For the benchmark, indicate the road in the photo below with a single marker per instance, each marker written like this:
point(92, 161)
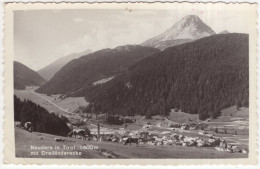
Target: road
point(33, 92)
point(52, 103)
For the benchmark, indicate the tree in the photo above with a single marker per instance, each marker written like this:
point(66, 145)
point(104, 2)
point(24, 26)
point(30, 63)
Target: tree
point(238, 104)
point(114, 119)
point(225, 131)
point(41, 119)
point(87, 131)
point(201, 127)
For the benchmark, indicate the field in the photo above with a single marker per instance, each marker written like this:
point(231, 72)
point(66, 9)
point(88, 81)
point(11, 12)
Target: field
point(103, 80)
point(111, 149)
point(181, 117)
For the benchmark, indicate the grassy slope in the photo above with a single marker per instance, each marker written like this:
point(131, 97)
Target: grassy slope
point(232, 113)
point(69, 104)
point(116, 150)
point(182, 117)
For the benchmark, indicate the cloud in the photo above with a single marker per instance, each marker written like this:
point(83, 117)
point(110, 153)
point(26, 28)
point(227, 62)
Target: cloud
point(114, 33)
point(95, 39)
point(78, 20)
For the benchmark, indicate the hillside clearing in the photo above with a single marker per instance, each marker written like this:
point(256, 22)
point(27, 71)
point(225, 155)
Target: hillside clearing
point(60, 106)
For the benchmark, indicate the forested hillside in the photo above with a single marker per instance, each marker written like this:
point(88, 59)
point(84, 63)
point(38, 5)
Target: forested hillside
point(83, 72)
point(200, 77)
point(24, 76)
point(42, 120)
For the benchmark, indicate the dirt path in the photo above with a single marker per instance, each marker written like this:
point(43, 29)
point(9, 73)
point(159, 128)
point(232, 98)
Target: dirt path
point(54, 104)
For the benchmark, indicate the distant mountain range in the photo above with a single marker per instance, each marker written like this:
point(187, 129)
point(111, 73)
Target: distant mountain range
point(187, 29)
point(24, 76)
point(200, 77)
point(224, 32)
point(83, 72)
point(49, 71)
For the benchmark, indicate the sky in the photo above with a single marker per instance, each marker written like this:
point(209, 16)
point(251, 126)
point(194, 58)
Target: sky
point(43, 36)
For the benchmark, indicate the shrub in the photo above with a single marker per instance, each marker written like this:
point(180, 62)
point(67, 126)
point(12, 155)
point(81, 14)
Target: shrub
point(113, 119)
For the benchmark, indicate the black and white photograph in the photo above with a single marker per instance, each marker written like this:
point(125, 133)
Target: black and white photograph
point(133, 83)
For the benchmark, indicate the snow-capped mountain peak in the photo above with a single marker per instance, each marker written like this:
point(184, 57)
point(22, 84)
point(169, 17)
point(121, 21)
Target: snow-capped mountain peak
point(190, 27)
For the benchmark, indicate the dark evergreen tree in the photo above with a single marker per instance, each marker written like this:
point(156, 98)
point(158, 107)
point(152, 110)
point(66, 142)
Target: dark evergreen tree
point(42, 120)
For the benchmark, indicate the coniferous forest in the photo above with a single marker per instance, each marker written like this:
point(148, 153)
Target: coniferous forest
point(42, 120)
point(200, 77)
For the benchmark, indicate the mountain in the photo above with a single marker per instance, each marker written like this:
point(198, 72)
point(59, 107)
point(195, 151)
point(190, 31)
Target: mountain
point(200, 77)
point(187, 29)
point(24, 76)
point(223, 32)
point(49, 71)
point(83, 72)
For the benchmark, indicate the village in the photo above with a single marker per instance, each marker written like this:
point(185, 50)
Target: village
point(161, 131)
point(183, 135)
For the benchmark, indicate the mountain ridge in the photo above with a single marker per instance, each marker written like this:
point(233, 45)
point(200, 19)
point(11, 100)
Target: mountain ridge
point(84, 71)
point(224, 32)
point(48, 71)
point(24, 76)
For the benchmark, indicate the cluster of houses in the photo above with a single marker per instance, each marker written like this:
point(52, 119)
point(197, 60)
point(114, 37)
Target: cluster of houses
point(167, 138)
point(156, 138)
point(175, 139)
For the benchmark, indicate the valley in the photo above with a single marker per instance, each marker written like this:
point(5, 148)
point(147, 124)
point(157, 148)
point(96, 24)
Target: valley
point(181, 94)
point(55, 103)
point(158, 125)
